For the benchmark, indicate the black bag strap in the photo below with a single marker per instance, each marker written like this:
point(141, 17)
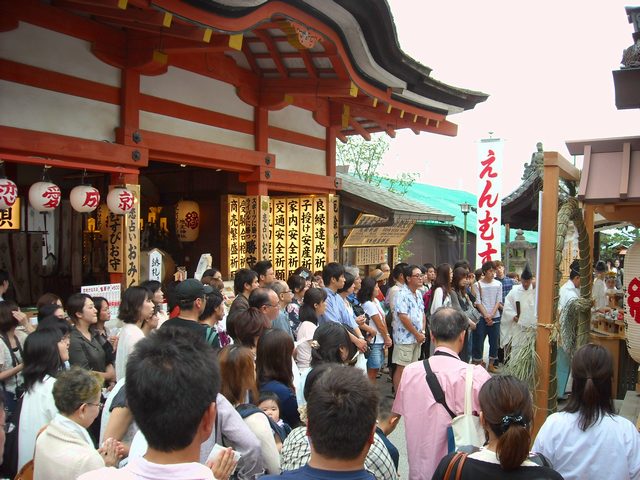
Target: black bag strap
point(14, 359)
point(434, 385)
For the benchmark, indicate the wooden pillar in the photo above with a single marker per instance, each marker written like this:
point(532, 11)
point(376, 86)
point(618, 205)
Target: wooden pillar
point(261, 129)
point(330, 150)
point(589, 225)
point(257, 188)
point(546, 275)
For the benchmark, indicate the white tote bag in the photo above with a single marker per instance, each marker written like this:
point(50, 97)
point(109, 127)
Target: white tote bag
point(466, 427)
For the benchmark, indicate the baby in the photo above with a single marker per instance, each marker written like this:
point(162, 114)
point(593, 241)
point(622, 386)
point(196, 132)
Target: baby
point(270, 405)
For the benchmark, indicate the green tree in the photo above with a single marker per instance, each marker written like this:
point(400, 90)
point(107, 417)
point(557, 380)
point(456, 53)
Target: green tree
point(615, 237)
point(365, 158)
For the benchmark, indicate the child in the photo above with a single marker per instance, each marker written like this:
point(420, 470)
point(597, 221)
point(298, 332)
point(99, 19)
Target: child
point(387, 423)
point(270, 405)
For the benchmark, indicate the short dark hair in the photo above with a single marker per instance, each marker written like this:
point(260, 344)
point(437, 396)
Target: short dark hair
point(246, 326)
point(172, 379)
point(152, 285)
point(132, 300)
point(268, 396)
point(398, 270)
point(4, 276)
point(52, 322)
point(574, 273)
point(428, 266)
point(463, 264)
point(75, 304)
point(262, 267)
point(447, 324)
point(47, 298)
point(259, 297)
point(342, 409)
point(296, 283)
point(41, 356)
point(408, 271)
point(212, 301)
point(331, 270)
point(348, 282)
point(242, 277)
point(486, 266)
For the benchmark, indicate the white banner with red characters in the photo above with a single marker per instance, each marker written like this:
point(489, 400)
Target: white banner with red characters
point(489, 176)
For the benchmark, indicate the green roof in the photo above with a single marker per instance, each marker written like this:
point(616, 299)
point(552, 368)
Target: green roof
point(448, 201)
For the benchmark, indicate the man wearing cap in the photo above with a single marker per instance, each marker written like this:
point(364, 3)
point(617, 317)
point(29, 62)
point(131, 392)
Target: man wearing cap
point(190, 295)
point(519, 315)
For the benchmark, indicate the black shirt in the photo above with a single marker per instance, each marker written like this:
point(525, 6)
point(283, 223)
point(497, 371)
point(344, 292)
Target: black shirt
point(210, 335)
point(478, 470)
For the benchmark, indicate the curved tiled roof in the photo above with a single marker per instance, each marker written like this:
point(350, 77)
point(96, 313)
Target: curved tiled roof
point(367, 28)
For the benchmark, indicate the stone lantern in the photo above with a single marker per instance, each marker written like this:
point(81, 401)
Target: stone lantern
point(517, 251)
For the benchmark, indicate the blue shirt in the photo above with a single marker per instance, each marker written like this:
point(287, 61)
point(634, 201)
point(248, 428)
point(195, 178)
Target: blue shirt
point(336, 311)
point(410, 304)
point(507, 285)
point(282, 322)
point(288, 403)
point(310, 473)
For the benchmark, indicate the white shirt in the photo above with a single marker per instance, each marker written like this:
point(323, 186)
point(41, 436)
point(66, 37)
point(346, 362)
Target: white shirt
point(38, 409)
point(608, 449)
point(129, 336)
point(439, 300)
point(372, 308)
point(599, 294)
point(141, 469)
point(511, 331)
point(568, 292)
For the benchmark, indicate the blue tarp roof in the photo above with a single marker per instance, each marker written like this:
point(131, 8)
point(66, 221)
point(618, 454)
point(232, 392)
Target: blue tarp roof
point(448, 201)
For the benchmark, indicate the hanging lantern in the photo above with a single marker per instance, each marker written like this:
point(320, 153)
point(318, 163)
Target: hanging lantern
point(632, 300)
point(44, 196)
point(187, 220)
point(84, 198)
point(120, 200)
point(8, 193)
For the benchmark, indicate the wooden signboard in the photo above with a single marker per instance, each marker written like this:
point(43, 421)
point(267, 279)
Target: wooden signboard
point(373, 236)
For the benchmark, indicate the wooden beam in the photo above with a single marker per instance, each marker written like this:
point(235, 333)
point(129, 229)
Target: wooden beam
point(130, 101)
point(624, 172)
point(251, 59)
point(359, 129)
point(308, 63)
point(390, 131)
point(273, 51)
point(74, 165)
point(43, 144)
point(307, 86)
point(545, 287)
point(261, 129)
point(289, 180)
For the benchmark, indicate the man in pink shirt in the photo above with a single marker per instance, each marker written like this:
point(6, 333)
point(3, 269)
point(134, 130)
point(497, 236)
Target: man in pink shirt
point(425, 420)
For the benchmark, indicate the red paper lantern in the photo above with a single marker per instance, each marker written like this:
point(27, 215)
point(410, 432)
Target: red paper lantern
point(8, 193)
point(120, 200)
point(84, 198)
point(187, 220)
point(44, 196)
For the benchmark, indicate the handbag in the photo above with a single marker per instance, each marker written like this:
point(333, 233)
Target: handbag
point(465, 429)
point(456, 462)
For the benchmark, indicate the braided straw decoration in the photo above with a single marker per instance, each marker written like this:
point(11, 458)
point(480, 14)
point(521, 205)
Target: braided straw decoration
point(570, 211)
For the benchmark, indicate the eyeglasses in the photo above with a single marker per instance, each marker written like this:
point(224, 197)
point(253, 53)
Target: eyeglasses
point(99, 404)
point(269, 305)
point(416, 275)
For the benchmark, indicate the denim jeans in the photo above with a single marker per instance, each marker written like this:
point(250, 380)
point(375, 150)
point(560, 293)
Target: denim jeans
point(480, 333)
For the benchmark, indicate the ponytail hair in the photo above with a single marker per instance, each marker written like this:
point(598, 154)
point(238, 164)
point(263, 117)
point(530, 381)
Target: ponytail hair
point(592, 371)
point(507, 408)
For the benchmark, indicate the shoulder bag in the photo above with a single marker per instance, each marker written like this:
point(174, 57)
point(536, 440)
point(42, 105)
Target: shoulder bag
point(456, 463)
point(465, 429)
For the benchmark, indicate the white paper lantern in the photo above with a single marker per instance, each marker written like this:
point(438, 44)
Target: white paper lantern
point(632, 300)
point(187, 220)
point(44, 196)
point(84, 198)
point(8, 193)
point(120, 200)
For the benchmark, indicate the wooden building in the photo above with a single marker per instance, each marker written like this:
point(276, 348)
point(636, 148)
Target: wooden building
point(226, 103)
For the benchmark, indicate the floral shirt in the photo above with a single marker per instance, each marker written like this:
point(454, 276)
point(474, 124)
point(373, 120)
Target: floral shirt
point(412, 305)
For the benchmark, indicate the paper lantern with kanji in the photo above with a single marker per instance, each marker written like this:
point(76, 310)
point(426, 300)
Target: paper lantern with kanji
point(8, 193)
point(120, 200)
point(632, 300)
point(44, 196)
point(187, 220)
point(84, 198)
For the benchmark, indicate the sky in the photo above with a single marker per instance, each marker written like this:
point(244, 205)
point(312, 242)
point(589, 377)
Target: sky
point(546, 66)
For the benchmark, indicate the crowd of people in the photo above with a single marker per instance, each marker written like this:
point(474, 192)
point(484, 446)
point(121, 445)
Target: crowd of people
point(283, 381)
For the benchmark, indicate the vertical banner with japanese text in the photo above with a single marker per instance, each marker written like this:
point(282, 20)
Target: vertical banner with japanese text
point(319, 232)
point(333, 251)
point(132, 240)
point(293, 233)
point(264, 227)
point(306, 233)
point(115, 243)
point(242, 230)
point(251, 231)
point(279, 226)
point(233, 211)
point(489, 176)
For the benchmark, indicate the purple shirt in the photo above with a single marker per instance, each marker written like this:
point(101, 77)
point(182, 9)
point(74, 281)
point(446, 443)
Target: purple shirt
point(425, 421)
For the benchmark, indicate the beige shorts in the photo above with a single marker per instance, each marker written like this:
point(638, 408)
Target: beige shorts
point(406, 354)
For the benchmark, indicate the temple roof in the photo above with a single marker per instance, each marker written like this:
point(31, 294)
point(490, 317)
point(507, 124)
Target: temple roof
point(338, 58)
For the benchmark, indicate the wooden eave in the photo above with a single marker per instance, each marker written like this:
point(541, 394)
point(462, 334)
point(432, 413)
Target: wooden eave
point(260, 50)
